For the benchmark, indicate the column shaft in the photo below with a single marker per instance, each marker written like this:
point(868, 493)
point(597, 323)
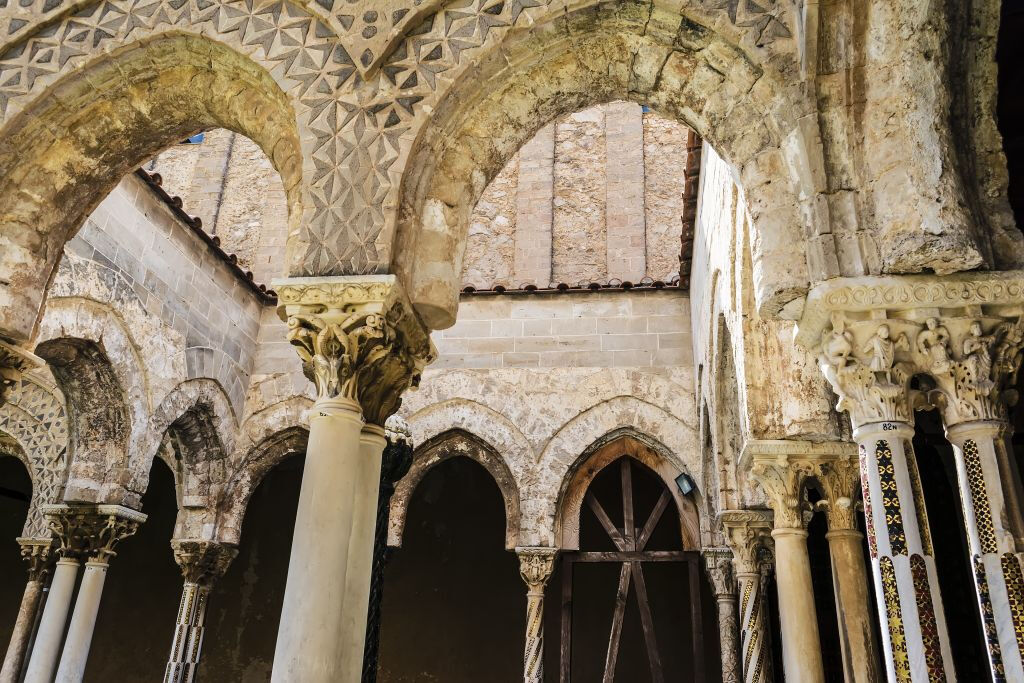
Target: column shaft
point(849, 577)
point(727, 636)
point(83, 622)
point(315, 628)
point(44, 655)
point(755, 654)
point(998, 576)
point(15, 657)
point(188, 634)
point(535, 566)
point(914, 636)
point(801, 649)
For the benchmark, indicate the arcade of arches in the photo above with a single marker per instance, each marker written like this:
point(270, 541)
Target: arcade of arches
point(466, 340)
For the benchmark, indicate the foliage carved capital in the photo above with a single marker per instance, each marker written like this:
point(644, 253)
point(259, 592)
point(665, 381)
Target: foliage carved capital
point(39, 554)
point(202, 562)
point(748, 534)
point(85, 530)
point(358, 338)
point(535, 566)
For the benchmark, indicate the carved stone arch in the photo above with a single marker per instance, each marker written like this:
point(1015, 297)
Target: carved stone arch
point(453, 444)
point(195, 427)
point(675, 440)
point(75, 127)
point(34, 418)
point(603, 452)
point(595, 55)
point(244, 480)
point(95, 360)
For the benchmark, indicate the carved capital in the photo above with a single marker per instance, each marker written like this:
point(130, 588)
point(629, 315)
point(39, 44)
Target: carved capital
point(718, 565)
point(840, 482)
point(535, 566)
point(202, 562)
point(39, 554)
point(358, 338)
point(91, 531)
point(962, 334)
point(748, 534)
point(14, 362)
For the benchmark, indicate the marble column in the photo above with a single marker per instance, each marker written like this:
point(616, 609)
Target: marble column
point(395, 463)
point(84, 531)
point(781, 470)
point(535, 566)
point(718, 565)
point(38, 552)
point(362, 345)
point(840, 481)
point(748, 535)
point(202, 563)
point(998, 574)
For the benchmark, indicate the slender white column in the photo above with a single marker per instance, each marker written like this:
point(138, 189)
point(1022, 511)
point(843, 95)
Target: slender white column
point(312, 630)
point(914, 635)
point(83, 622)
point(535, 566)
point(998, 576)
point(749, 536)
point(801, 649)
point(38, 553)
point(51, 626)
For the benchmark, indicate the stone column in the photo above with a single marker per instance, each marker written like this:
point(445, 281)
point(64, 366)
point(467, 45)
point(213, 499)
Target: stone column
point(748, 534)
point(97, 528)
point(38, 553)
point(362, 345)
point(202, 563)
point(50, 635)
point(718, 564)
point(14, 361)
point(840, 480)
point(998, 575)
point(395, 463)
point(535, 566)
point(781, 472)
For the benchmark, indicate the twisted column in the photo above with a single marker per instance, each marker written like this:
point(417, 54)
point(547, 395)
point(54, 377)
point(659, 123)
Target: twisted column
point(718, 565)
point(535, 566)
point(202, 563)
point(748, 534)
point(395, 463)
point(38, 552)
point(362, 345)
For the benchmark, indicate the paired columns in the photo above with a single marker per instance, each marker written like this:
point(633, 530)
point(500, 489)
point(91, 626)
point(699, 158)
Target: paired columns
point(202, 563)
point(88, 532)
point(38, 552)
point(535, 566)
point(362, 345)
point(718, 565)
point(748, 534)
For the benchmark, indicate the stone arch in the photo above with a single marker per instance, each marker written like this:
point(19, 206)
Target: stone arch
point(685, 70)
point(35, 421)
point(57, 161)
point(603, 452)
point(452, 444)
point(195, 426)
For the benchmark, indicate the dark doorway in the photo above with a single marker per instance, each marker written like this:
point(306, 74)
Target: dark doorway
point(935, 462)
point(15, 493)
point(141, 593)
point(635, 605)
point(245, 604)
point(454, 607)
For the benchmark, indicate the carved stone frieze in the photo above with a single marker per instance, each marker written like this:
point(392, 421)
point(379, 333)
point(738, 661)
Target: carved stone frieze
point(535, 566)
point(91, 531)
point(202, 562)
point(961, 336)
point(358, 338)
point(14, 362)
point(748, 535)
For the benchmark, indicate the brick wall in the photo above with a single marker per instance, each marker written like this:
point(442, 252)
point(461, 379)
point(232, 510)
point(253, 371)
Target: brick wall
point(178, 279)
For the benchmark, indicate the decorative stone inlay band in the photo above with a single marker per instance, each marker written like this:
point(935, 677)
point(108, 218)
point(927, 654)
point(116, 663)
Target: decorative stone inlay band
point(358, 338)
point(891, 593)
point(14, 361)
point(988, 619)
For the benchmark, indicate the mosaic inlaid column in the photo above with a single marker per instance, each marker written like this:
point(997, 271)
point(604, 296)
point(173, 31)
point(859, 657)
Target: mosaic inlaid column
point(782, 480)
point(201, 563)
point(999, 579)
point(99, 528)
point(38, 552)
point(718, 565)
point(748, 533)
point(362, 345)
point(840, 480)
point(535, 566)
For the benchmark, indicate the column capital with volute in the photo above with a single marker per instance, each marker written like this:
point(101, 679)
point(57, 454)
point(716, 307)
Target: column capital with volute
point(87, 530)
point(748, 534)
point(358, 337)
